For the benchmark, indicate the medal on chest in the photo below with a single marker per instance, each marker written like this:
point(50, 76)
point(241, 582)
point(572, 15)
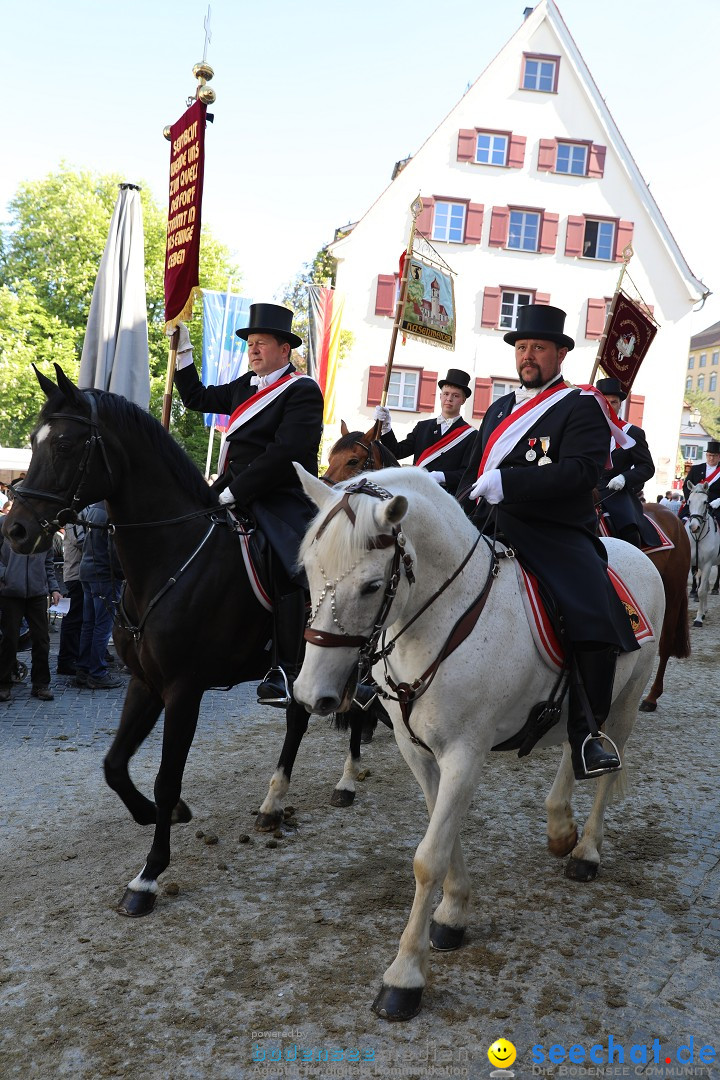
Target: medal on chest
point(531, 453)
point(545, 444)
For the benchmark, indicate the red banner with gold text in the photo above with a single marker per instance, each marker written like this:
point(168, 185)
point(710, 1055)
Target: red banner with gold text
point(182, 253)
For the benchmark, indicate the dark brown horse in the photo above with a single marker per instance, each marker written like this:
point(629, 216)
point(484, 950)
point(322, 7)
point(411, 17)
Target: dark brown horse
point(191, 620)
point(673, 565)
point(354, 453)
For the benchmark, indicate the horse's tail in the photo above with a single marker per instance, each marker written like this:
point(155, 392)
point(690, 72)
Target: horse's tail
point(681, 638)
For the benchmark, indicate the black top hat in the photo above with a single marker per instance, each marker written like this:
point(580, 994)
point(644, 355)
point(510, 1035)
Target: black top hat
point(271, 319)
point(611, 388)
point(713, 447)
point(542, 322)
point(458, 378)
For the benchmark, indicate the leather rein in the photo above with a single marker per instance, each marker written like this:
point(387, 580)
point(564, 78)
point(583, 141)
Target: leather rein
point(369, 654)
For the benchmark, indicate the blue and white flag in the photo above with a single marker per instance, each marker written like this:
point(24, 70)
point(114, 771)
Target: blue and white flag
point(223, 355)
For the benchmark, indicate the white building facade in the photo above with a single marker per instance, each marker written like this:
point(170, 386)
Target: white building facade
point(530, 195)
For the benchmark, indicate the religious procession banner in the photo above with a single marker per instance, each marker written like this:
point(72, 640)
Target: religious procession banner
point(630, 333)
point(325, 309)
point(429, 310)
point(182, 254)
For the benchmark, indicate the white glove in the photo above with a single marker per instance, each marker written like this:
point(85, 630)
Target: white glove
point(439, 477)
point(715, 503)
point(226, 497)
point(184, 357)
point(617, 483)
point(488, 486)
point(383, 414)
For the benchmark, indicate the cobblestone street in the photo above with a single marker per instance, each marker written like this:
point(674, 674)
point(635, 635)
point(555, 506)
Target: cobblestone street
point(294, 938)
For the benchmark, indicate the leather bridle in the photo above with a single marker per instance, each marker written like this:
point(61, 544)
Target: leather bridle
point(71, 503)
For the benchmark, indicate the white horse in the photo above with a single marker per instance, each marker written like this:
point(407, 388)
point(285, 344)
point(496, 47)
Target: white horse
point(410, 542)
point(704, 536)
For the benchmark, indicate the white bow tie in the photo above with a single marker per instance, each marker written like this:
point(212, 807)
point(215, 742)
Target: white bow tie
point(259, 381)
point(524, 393)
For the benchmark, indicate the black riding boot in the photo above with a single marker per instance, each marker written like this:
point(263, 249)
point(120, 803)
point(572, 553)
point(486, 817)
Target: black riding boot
point(591, 682)
point(631, 535)
point(288, 628)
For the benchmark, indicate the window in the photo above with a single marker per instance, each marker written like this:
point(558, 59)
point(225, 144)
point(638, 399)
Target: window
point(403, 390)
point(703, 360)
point(715, 359)
point(599, 240)
point(688, 383)
point(449, 222)
point(571, 158)
point(500, 389)
point(691, 363)
point(509, 304)
point(540, 73)
point(712, 385)
point(701, 382)
point(524, 230)
point(491, 148)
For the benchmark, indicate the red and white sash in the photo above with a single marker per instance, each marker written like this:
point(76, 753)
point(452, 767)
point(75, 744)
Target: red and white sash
point(254, 405)
point(516, 424)
point(445, 443)
point(714, 475)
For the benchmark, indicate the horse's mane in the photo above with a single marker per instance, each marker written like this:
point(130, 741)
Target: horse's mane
point(346, 442)
point(129, 420)
point(387, 458)
point(341, 543)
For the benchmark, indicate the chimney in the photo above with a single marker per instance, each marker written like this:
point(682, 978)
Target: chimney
point(527, 11)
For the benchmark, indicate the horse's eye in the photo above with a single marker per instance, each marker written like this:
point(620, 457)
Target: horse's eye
point(62, 446)
point(372, 587)
point(354, 461)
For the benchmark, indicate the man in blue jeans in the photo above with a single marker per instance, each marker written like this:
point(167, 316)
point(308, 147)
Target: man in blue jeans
point(101, 577)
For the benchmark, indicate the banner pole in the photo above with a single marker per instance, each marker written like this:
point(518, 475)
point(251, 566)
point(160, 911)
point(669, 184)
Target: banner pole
point(415, 209)
point(169, 379)
point(208, 460)
point(627, 256)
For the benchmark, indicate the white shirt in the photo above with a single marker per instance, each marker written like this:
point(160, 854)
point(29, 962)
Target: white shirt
point(445, 424)
point(263, 381)
point(527, 393)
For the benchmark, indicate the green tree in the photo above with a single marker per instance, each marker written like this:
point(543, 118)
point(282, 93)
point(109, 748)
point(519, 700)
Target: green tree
point(708, 410)
point(50, 251)
point(321, 271)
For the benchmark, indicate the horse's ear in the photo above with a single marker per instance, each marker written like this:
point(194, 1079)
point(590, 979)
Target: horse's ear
point(315, 489)
point(344, 430)
point(392, 511)
point(68, 388)
point(47, 386)
point(691, 486)
point(371, 435)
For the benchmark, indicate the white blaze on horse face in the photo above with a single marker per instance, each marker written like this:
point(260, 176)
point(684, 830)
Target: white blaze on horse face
point(42, 434)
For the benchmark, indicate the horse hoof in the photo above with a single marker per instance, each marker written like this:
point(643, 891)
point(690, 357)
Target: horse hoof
point(268, 822)
point(398, 1002)
point(181, 814)
point(560, 846)
point(342, 797)
point(581, 870)
point(136, 903)
point(648, 706)
point(446, 938)
point(697, 622)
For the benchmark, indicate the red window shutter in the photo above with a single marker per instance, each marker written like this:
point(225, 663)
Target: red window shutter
point(425, 217)
point(596, 161)
point(482, 398)
point(547, 154)
point(467, 144)
point(624, 237)
point(636, 407)
point(474, 223)
point(376, 381)
point(575, 235)
point(385, 295)
point(499, 225)
point(490, 307)
point(542, 297)
point(516, 152)
point(428, 391)
point(595, 318)
point(548, 233)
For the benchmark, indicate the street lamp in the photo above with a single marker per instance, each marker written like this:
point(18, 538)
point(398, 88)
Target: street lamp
point(694, 418)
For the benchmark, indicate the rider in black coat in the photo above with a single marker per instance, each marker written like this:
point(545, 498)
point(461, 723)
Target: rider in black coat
point(538, 457)
point(276, 417)
point(621, 484)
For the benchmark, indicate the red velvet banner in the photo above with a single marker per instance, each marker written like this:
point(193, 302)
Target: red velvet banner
point(182, 253)
point(629, 336)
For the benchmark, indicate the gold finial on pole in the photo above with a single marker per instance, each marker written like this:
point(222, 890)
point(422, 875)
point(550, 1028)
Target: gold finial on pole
point(203, 73)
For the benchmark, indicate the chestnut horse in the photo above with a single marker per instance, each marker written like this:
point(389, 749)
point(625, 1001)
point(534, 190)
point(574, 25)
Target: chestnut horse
point(355, 453)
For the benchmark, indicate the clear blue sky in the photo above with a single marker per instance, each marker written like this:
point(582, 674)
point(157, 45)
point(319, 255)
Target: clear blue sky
point(316, 101)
